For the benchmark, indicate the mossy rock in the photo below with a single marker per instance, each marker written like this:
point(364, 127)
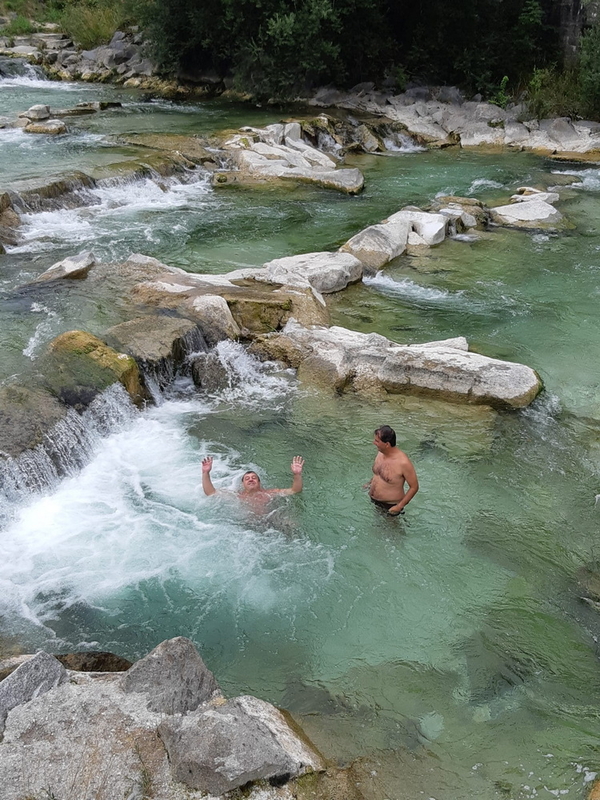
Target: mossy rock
point(78, 366)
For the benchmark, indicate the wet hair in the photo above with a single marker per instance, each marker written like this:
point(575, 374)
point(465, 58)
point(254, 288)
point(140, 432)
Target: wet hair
point(387, 435)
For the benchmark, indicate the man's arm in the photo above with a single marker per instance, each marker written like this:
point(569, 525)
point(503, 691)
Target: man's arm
point(207, 484)
point(410, 477)
point(296, 487)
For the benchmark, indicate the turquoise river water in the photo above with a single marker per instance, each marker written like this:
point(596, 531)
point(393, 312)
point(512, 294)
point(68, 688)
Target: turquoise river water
point(449, 651)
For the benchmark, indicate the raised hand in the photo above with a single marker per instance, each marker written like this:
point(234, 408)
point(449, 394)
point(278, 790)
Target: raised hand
point(297, 464)
point(207, 464)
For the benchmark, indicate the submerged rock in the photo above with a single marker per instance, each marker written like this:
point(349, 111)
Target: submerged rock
point(27, 415)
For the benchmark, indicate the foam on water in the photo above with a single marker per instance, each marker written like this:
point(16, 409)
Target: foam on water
point(590, 178)
point(37, 82)
point(483, 183)
point(137, 513)
point(402, 143)
point(44, 330)
point(133, 206)
point(410, 290)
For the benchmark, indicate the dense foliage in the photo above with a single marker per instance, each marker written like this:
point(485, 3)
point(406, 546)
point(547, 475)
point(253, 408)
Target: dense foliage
point(504, 49)
point(277, 46)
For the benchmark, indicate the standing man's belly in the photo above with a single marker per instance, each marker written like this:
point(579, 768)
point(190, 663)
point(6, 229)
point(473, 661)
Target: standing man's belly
point(388, 491)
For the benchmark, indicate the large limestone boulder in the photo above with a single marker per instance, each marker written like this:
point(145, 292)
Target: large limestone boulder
point(425, 229)
point(37, 113)
point(341, 359)
point(78, 366)
point(325, 272)
point(51, 127)
point(377, 245)
point(227, 746)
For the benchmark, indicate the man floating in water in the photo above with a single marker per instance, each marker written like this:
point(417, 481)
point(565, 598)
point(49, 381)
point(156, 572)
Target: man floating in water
point(392, 469)
point(252, 491)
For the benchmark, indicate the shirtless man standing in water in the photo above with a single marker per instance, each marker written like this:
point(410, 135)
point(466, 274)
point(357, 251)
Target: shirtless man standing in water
point(252, 491)
point(392, 469)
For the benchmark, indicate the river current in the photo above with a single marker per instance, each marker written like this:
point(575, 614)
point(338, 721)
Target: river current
point(449, 651)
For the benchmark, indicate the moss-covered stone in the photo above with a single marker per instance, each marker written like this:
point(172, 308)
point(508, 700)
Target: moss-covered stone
point(78, 366)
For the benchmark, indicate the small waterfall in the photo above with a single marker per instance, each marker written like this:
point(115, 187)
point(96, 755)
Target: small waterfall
point(66, 448)
point(160, 374)
point(400, 142)
point(19, 68)
point(327, 144)
point(125, 187)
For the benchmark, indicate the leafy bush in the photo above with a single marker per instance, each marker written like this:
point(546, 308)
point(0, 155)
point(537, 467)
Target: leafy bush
point(19, 26)
point(552, 93)
point(92, 23)
point(589, 72)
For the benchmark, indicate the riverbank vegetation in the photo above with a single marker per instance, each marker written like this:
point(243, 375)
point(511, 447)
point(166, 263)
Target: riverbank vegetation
point(505, 50)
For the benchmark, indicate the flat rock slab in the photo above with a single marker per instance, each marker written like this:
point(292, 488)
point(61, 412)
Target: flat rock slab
point(158, 343)
point(532, 214)
point(325, 272)
point(74, 267)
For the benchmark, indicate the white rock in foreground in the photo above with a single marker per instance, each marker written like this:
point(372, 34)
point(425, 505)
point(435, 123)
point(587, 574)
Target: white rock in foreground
point(342, 359)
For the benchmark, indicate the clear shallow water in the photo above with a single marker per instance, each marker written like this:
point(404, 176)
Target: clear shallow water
point(448, 650)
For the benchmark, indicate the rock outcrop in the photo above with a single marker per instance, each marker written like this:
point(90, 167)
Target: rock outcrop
point(340, 359)
point(278, 152)
point(160, 729)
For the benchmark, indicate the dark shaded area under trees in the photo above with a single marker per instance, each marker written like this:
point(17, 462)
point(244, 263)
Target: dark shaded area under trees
point(547, 51)
point(278, 47)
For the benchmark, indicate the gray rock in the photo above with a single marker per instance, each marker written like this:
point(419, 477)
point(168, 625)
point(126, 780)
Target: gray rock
point(26, 417)
point(34, 677)
point(51, 127)
point(173, 676)
point(222, 748)
point(37, 112)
